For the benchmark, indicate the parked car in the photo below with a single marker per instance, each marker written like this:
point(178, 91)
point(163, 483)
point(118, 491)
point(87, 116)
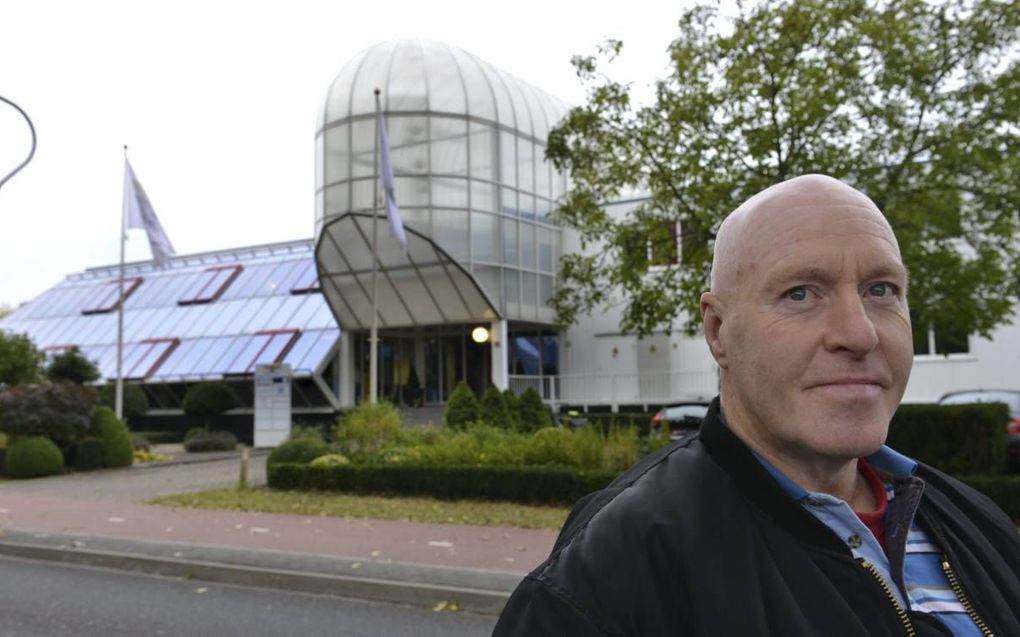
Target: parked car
point(680, 418)
point(1011, 397)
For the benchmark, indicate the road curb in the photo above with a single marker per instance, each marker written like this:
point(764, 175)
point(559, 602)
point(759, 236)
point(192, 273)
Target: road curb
point(415, 590)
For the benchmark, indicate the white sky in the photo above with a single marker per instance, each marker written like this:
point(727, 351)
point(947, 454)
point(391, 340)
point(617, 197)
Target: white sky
point(217, 101)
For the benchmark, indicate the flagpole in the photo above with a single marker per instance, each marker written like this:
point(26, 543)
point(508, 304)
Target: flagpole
point(119, 393)
point(373, 339)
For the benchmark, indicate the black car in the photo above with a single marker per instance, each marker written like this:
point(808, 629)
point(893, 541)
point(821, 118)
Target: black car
point(680, 418)
point(1011, 397)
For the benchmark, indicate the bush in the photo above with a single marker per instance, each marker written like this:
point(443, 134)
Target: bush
point(462, 407)
point(305, 431)
point(584, 446)
point(208, 399)
point(363, 431)
point(19, 359)
point(117, 448)
point(547, 485)
point(211, 441)
point(302, 450)
point(532, 413)
point(330, 460)
point(71, 366)
point(494, 409)
point(620, 449)
point(1003, 490)
point(136, 402)
point(58, 411)
point(33, 457)
point(513, 406)
point(958, 439)
point(88, 454)
point(548, 447)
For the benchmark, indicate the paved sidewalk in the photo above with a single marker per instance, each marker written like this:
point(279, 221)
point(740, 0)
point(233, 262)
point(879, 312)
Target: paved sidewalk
point(99, 518)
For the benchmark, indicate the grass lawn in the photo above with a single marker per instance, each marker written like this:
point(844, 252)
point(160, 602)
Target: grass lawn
point(376, 507)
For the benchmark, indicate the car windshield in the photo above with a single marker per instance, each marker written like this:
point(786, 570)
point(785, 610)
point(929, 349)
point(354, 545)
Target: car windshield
point(1010, 398)
point(686, 411)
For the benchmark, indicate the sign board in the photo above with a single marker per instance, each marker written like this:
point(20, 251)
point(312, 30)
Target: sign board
point(272, 404)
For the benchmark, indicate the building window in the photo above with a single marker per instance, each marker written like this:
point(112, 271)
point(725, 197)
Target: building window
point(108, 298)
point(141, 360)
point(211, 285)
point(940, 340)
point(308, 281)
point(534, 353)
point(270, 346)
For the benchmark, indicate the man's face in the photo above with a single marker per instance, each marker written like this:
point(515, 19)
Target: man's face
point(815, 332)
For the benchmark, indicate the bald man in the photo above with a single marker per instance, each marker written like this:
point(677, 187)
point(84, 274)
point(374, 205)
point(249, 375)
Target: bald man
point(786, 514)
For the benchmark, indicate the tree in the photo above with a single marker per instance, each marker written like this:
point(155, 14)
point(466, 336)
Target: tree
point(495, 410)
point(20, 360)
point(5, 310)
point(136, 402)
point(512, 406)
point(462, 407)
point(533, 414)
point(208, 399)
point(58, 411)
point(72, 366)
point(913, 102)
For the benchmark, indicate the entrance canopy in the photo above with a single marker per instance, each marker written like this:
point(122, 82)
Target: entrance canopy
point(424, 287)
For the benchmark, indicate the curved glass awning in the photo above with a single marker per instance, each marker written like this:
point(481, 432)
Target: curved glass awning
point(425, 286)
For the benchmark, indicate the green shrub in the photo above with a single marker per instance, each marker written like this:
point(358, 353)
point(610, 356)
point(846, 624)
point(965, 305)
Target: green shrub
point(462, 407)
point(302, 450)
point(549, 485)
point(305, 431)
point(211, 441)
point(958, 439)
point(494, 409)
point(208, 399)
point(363, 431)
point(117, 448)
point(195, 432)
point(58, 411)
point(513, 407)
point(33, 457)
point(136, 402)
point(160, 437)
point(330, 460)
point(620, 449)
point(532, 412)
point(72, 366)
point(19, 359)
point(1003, 490)
point(584, 446)
point(88, 454)
point(548, 446)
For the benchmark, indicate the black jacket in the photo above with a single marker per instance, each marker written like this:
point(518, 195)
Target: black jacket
point(699, 539)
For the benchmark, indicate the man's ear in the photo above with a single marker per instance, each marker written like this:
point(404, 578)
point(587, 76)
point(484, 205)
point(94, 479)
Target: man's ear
point(712, 318)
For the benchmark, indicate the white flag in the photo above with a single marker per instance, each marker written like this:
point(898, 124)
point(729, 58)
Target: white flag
point(393, 212)
point(139, 214)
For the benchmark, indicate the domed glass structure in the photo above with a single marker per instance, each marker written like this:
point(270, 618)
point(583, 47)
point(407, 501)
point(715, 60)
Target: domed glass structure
point(468, 144)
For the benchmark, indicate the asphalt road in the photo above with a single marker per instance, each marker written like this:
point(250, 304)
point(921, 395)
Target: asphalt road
point(45, 599)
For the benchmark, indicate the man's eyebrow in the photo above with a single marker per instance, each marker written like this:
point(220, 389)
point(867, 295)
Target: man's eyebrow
point(811, 274)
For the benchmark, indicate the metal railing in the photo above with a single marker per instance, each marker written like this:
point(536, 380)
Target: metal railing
point(637, 388)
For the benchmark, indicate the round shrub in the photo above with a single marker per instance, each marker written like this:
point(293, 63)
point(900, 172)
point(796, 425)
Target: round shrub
point(331, 460)
point(494, 409)
point(462, 407)
point(208, 399)
point(33, 457)
point(72, 366)
point(88, 454)
point(532, 413)
point(302, 450)
point(117, 448)
point(136, 403)
point(364, 430)
point(210, 441)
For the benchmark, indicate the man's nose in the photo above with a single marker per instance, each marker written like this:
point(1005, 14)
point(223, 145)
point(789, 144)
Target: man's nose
point(848, 325)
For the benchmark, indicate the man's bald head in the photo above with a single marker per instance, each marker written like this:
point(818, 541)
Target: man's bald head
point(738, 243)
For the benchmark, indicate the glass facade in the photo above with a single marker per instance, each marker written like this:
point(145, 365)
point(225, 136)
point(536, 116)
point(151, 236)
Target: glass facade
point(206, 316)
point(467, 145)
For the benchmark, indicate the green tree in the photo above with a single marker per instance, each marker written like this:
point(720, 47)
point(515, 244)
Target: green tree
point(513, 406)
point(58, 411)
point(72, 366)
point(136, 402)
point(532, 412)
point(20, 360)
point(494, 409)
point(913, 102)
point(208, 399)
point(462, 407)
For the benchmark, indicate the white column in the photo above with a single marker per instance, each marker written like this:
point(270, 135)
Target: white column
point(345, 367)
point(500, 354)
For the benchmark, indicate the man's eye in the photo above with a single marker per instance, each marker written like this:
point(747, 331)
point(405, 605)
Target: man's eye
point(882, 289)
point(797, 294)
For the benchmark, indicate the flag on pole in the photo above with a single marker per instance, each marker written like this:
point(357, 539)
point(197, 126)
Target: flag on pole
point(138, 213)
point(393, 212)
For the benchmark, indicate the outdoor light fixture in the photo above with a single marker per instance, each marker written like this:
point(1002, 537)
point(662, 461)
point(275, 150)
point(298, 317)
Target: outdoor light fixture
point(479, 334)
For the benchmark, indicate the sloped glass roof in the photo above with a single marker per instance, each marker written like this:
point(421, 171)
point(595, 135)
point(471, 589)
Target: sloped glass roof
point(202, 316)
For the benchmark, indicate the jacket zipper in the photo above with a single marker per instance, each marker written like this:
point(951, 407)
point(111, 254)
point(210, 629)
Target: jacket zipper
point(954, 583)
point(904, 618)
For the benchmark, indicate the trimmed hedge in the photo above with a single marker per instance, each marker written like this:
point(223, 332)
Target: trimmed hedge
point(88, 455)
point(958, 439)
point(33, 457)
point(117, 448)
point(542, 485)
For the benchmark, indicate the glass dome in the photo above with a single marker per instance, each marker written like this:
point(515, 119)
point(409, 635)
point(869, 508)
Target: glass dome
point(468, 151)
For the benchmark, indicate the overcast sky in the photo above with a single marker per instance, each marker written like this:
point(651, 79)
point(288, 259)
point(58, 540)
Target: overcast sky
point(217, 101)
